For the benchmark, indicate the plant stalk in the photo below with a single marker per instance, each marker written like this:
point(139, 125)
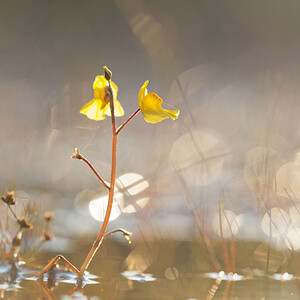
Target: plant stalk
point(127, 121)
point(100, 236)
point(95, 172)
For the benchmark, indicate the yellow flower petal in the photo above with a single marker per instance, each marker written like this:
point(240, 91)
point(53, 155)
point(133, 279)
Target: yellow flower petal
point(97, 108)
point(115, 89)
point(94, 109)
point(150, 105)
point(100, 85)
point(119, 111)
point(142, 93)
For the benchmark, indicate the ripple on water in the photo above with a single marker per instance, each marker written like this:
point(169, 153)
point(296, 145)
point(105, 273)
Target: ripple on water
point(137, 276)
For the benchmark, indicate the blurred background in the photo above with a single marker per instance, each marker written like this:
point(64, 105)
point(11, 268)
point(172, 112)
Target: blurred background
point(228, 168)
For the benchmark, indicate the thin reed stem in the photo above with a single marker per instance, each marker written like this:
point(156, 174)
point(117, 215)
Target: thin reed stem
point(232, 254)
point(223, 241)
point(200, 225)
point(13, 213)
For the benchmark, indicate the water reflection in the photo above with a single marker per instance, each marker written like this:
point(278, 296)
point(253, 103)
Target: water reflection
point(171, 281)
point(136, 276)
point(171, 273)
point(267, 259)
point(283, 276)
point(223, 276)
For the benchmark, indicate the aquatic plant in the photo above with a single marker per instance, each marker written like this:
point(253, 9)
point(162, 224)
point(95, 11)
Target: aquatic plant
point(103, 104)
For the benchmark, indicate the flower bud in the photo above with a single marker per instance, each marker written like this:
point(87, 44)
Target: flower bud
point(107, 73)
point(127, 236)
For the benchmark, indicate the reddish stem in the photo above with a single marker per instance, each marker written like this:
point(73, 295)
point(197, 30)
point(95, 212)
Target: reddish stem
point(100, 236)
point(127, 121)
point(95, 172)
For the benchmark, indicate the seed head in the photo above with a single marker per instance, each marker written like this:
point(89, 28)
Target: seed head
point(47, 236)
point(24, 223)
point(48, 216)
point(9, 199)
point(16, 242)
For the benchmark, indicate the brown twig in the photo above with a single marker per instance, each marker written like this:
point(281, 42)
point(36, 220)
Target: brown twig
point(53, 261)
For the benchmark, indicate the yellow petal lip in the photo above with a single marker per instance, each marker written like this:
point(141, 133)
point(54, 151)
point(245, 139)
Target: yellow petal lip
point(94, 110)
point(100, 82)
point(98, 107)
point(142, 93)
point(150, 106)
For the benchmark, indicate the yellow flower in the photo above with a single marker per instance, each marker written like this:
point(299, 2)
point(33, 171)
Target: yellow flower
point(97, 108)
point(150, 105)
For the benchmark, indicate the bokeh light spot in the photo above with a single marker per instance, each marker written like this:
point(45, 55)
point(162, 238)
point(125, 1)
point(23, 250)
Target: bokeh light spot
point(132, 182)
point(295, 213)
point(98, 207)
point(292, 240)
point(288, 178)
point(260, 167)
point(275, 222)
point(199, 156)
point(228, 224)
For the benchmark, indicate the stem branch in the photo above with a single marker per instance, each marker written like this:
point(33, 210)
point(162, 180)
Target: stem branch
point(126, 234)
point(80, 157)
point(127, 121)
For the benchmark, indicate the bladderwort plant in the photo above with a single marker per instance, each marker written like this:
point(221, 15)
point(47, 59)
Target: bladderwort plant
point(105, 103)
